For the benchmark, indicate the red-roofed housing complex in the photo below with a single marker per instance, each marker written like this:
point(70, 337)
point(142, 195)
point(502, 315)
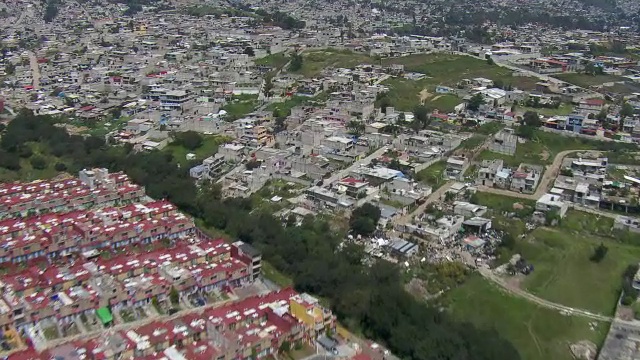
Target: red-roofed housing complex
point(68, 269)
point(253, 328)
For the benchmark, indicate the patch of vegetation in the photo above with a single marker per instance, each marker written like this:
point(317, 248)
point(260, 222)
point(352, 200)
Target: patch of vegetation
point(564, 272)
point(284, 108)
point(444, 103)
point(490, 128)
point(127, 315)
point(278, 278)
point(504, 204)
point(205, 147)
point(403, 94)
point(563, 109)
point(538, 333)
point(433, 175)
point(364, 219)
point(240, 106)
point(277, 60)
point(447, 69)
point(316, 61)
point(473, 142)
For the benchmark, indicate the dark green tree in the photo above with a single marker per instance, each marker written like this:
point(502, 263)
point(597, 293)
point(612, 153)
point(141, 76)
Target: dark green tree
point(475, 102)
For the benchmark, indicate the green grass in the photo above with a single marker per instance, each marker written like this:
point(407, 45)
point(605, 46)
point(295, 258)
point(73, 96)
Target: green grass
point(433, 175)
point(444, 103)
point(51, 333)
point(277, 60)
point(302, 353)
point(240, 106)
point(565, 274)
point(585, 80)
point(213, 232)
point(27, 172)
point(281, 188)
point(443, 69)
point(578, 222)
point(490, 128)
point(209, 147)
point(448, 69)
point(316, 61)
point(537, 333)
point(563, 109)
point(473, 142)
point(276, 276)
point(127, 315)
point(284, 108)
point(404, 94)
point(501, 203)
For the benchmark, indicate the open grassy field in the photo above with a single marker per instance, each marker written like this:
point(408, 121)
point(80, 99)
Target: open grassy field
point(275, 276)
point(404, 94)
point(444, 69)
point(209, 147)
point(561, 255)
point(585, 80)
point(27, 172)
point(441, 69)
point(315, 61)
point(240, 106)
point(473, 142)
point(444, 103)
point(433, 175)
point(563, 109)
point(448, 69)
point(501, 203)
point(537, 333)
point(565, 274)
point(276, 60)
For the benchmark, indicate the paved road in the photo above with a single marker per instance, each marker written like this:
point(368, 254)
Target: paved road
point(35, 70)
point(489, 275)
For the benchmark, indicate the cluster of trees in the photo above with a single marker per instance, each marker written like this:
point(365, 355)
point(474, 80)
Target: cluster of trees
point(281, 19)
point(190, 140)
point(475, 102)
point(364, 220)
point(296, 62)
point(421, 118)
point(530, 122)
point(51, 10)
point(370, 298)
point(629, 293)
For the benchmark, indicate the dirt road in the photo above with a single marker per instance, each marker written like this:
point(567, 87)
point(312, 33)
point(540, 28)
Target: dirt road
point(489, 275)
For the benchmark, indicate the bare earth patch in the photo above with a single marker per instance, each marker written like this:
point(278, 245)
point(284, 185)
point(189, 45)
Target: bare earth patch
point(514, 282)
point(424, 95)
point(545, 155)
